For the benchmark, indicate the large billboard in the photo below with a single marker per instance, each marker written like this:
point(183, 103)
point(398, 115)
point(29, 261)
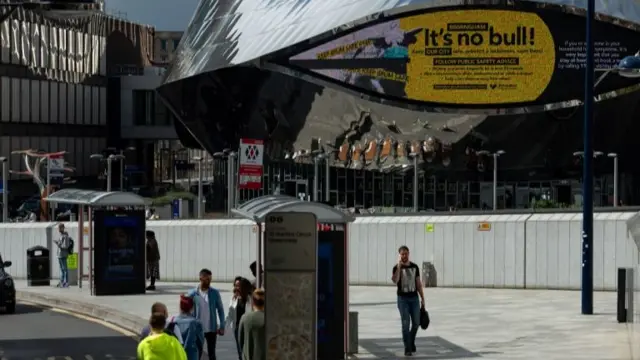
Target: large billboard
point(471, 57)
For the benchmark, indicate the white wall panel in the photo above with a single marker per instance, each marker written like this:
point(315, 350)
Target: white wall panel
point(5, 99)
point(45, 46)
point(15, 99)
point(554, 250)
point(73, 40)
point(103, 55)
point(15, 239)
point(35, 101)
point(5, 42)
point(24, 100)
point(62, 54)
point(103, 106)
point(44, 102)
point(36, 45)
point(71, 104)
point(79, 104)
point(15, 41)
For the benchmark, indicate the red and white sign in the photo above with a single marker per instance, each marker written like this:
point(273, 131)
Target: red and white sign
point(250, 169)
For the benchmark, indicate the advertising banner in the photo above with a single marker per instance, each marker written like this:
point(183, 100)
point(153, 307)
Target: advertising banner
point(251, 164)
point(55, 168)
point(472, 57)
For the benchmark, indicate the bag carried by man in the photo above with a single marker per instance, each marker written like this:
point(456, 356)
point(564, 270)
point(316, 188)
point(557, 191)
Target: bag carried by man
point(424, 318)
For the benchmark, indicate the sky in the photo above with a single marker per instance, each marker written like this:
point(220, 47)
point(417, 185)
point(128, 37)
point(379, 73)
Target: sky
point(164, 15)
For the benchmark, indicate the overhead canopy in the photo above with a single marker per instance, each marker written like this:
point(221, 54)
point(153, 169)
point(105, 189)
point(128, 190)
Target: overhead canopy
point(95, 198)
point(258, 208)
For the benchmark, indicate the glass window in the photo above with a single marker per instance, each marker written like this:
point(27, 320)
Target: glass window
point(141, 107)
point(163, 44)
point(176, 42)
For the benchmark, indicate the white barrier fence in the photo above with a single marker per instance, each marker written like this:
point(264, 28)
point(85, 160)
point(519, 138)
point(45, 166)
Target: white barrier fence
point(503, 251)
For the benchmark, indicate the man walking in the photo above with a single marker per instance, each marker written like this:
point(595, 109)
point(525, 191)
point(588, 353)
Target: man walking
point(406, 275)
point(208, 308)
point(63, 252)
point(251, 335)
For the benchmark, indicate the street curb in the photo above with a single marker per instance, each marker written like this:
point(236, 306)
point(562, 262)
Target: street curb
point(120, 319)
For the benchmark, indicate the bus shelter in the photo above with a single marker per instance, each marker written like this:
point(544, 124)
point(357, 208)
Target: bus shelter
point(332, 261)
point(118, 222)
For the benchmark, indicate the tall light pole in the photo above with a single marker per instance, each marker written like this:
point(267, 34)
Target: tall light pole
point(200, 159)
point(109, 160)
point(232, 188)
point(614, 156)
point(122, 160)
point(495, 156)
point(416, 175)
point(5, 190)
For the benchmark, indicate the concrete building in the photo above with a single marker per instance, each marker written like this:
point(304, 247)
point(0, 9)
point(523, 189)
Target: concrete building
point(58, 80)
point(165, 44)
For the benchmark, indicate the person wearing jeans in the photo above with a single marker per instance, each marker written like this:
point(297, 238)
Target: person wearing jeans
point(63, 253)
point(406, 276)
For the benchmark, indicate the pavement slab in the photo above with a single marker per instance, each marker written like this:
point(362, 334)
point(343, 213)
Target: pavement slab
point(492, 324)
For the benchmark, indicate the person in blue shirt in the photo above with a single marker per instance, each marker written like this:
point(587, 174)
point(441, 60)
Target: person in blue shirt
point(190, 329)
point(209, 310)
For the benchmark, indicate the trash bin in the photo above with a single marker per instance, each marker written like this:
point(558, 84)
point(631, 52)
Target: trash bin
point(38, 266)
point(354, 338)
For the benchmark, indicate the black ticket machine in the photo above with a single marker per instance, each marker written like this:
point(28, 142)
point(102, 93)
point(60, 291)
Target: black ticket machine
point(119, 252)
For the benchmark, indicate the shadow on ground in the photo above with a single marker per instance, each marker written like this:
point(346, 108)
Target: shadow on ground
point(112, 347)
point(22, 309)
point(431, 347)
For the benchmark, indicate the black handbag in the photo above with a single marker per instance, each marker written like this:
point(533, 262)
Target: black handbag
point(424, 318)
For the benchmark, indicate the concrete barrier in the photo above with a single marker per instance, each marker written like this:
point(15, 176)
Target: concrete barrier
point(489, 251)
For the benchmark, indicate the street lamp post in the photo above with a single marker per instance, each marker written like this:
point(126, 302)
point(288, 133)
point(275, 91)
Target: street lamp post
point(109, 160)
point(495, 156)
point(122, 160)
point(5, 190)
point(414, 156)
point(200, 159)
point(614, 156)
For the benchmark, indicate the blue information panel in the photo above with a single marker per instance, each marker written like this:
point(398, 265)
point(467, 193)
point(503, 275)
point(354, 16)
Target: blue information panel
point(331, 292)
point(119, 252)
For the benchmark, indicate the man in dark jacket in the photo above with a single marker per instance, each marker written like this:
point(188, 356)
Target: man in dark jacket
point(153, 260)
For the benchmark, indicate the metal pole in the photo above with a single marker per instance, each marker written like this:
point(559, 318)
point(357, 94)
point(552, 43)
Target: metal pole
point(234, 177)
point(48, 188)
point(587, 170)
point(5, 192)
point(174, 170)
point(316, 173)
point(615, 181)
point(230, 185)
point(327, 174)
point(122, 170)
point(200, 209)
point(495, 182)
point(415, 183)
point(109, 174)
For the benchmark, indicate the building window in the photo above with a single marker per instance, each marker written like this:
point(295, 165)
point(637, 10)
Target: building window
point(163, 115)
point(176, 42)
point(143, 103)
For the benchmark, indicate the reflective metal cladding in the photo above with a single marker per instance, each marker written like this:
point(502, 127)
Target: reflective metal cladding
point(228, 80)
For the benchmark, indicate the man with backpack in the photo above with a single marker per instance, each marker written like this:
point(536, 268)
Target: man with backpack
point(65, 247)
point(171, 328)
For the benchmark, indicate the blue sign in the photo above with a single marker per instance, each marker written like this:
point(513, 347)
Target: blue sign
point(175, 209)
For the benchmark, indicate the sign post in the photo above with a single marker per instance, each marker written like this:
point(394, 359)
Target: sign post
point(291, 253)
point(251, 164)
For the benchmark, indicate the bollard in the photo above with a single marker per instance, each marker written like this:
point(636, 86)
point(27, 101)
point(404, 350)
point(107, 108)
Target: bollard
point(625, 295)
point(429, 275)
point(352, 347)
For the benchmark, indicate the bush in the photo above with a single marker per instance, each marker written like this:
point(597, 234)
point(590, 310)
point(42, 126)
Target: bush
point(168, 198)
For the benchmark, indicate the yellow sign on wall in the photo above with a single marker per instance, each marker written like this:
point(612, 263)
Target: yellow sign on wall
point(484, 226)
point(428, 228)
point(72, 261)
point(478, 57)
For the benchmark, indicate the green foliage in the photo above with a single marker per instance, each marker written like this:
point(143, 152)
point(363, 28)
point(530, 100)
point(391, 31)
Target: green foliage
point(550, 204)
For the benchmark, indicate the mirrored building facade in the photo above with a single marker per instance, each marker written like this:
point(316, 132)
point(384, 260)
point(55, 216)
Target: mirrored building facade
point(285, 72)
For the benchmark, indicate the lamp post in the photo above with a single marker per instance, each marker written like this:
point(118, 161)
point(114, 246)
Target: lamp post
point(109, 160)
point(5, 190)
point(414, 156)
point(495, 156)
point(318, 157)
point(122, 160)
point(614, 156)
point(200, 159)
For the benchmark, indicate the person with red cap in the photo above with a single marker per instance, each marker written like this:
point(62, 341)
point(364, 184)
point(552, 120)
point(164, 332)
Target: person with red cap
point(190, 329)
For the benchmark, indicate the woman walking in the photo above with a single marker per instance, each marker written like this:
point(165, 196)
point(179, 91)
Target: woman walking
point(240, 304)
point(153, 259)
point(190, 329)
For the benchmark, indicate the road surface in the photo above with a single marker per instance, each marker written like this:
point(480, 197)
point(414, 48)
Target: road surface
point(35, 333)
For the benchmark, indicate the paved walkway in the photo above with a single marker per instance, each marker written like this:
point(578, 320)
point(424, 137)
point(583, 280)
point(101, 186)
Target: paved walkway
point(466, 323)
